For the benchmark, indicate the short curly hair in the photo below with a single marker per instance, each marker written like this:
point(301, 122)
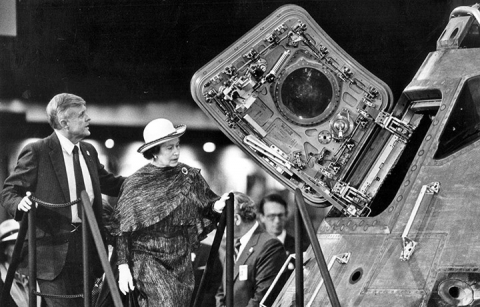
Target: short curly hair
point(245, 207)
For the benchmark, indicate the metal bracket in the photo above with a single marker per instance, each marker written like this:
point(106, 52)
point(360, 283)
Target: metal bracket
point(409, 245)
point(350, 194)
point(340, 258)
point(272, 153)
point(399, 128)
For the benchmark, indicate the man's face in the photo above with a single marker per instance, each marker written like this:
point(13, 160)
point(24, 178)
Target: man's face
point(77, 122)
point(273, 217)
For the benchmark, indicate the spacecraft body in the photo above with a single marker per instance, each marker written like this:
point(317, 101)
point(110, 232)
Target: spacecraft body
point(402, 179)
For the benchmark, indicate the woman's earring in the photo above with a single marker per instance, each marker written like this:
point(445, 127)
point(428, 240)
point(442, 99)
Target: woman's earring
point(155, 157)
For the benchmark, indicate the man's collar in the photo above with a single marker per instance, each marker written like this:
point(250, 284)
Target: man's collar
point(282, 236)
point(66, 144)
point(246, 237)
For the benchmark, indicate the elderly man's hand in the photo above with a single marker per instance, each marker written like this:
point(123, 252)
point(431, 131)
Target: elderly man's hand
point(26, 203)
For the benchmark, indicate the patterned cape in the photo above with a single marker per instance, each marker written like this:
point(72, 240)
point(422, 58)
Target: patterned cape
point(152, 193)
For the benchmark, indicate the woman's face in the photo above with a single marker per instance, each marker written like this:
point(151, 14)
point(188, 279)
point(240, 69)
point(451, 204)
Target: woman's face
point(169, 153)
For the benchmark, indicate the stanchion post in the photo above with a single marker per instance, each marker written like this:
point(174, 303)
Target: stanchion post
point(32, 256)
point(87, 292)
point(229, 261)
point(317, 250)
point(299, 294)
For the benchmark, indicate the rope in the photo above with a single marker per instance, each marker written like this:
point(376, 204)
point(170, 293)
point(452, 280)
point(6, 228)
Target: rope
point(58, 295)
point(50, 205)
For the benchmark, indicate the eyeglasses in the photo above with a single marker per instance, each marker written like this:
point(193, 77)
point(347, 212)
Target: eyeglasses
point(272, 217)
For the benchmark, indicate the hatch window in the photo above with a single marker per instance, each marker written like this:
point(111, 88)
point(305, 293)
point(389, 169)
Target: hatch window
point(463, 126)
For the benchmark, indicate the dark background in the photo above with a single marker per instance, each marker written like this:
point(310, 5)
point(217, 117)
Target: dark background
point(114, 51)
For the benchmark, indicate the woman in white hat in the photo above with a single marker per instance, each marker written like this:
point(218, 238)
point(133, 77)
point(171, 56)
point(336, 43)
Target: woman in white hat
point(164, 210)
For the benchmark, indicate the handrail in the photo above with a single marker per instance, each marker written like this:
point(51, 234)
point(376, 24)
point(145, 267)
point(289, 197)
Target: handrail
point(226, 221)
point(32, 256)
point(229, 253)
point(299, 295)
point(213, 254)
point(97, 238)
point(466, 10)
point(317, 250)
point(28, 223)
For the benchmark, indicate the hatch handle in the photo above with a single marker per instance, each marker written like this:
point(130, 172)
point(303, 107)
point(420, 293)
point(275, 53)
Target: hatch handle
point(409, 245)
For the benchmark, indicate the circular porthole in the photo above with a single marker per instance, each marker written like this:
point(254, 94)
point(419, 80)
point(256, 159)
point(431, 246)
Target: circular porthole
point(306, 93)
point(456, 292)
point(356, 276)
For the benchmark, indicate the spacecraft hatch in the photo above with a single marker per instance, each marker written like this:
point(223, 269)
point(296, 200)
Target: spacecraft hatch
point(307, 112)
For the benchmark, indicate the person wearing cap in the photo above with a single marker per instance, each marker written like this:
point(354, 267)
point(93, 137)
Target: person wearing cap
point(54, 170)
point(19, 289)
point(164, 210)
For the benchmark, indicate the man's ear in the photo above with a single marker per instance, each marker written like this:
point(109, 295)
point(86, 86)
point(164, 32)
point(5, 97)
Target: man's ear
point(238, 220)
point(63, 123)
point(262, 218)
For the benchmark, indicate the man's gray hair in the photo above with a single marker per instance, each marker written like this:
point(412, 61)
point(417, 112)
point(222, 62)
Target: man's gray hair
point(58, 106)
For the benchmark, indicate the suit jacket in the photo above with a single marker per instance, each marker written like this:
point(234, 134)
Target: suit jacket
point(41, 170)
point(262, 257)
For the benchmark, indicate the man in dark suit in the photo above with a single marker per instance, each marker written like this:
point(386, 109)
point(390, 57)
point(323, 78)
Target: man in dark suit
point(54, 170)
point(260, 257)
point(273, 212)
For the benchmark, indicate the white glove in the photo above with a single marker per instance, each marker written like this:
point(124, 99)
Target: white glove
point(125, 280)
point(220, 204)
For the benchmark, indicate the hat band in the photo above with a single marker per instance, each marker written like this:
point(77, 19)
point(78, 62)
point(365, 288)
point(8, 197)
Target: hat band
point(163, 137)
point(8, 234)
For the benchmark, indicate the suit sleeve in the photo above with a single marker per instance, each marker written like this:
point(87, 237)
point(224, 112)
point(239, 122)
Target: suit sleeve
point(22, 180)
point(267, 267)
point(109, 183)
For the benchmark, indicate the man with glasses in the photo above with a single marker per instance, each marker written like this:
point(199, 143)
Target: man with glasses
point(273, 212)
point(258, 257)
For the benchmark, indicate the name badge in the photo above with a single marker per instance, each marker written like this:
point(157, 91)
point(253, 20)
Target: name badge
point(243, 272)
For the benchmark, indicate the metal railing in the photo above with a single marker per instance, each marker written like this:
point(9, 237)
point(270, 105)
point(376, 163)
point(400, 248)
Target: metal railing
point(301, 217)
point(89, 223)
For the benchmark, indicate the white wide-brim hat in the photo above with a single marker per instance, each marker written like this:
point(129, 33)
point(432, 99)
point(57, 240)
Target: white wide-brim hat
point(9, 230)
point(159, 131)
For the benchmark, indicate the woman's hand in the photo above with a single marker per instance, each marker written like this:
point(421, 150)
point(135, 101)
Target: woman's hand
point(220, 204)
point(125, 280)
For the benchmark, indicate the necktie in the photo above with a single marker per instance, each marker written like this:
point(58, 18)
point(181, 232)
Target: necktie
point(78, 177)
point(237, 248)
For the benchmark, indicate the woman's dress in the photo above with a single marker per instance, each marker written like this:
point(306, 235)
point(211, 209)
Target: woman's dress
point(161, 216)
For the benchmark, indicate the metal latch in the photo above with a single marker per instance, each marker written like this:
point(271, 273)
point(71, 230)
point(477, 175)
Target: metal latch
point(399, 128)
point(409, 245)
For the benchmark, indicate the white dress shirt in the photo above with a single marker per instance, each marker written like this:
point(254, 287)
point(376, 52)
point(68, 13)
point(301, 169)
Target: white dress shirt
point(282, 236)
point(67, 149)
point(245, 238)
